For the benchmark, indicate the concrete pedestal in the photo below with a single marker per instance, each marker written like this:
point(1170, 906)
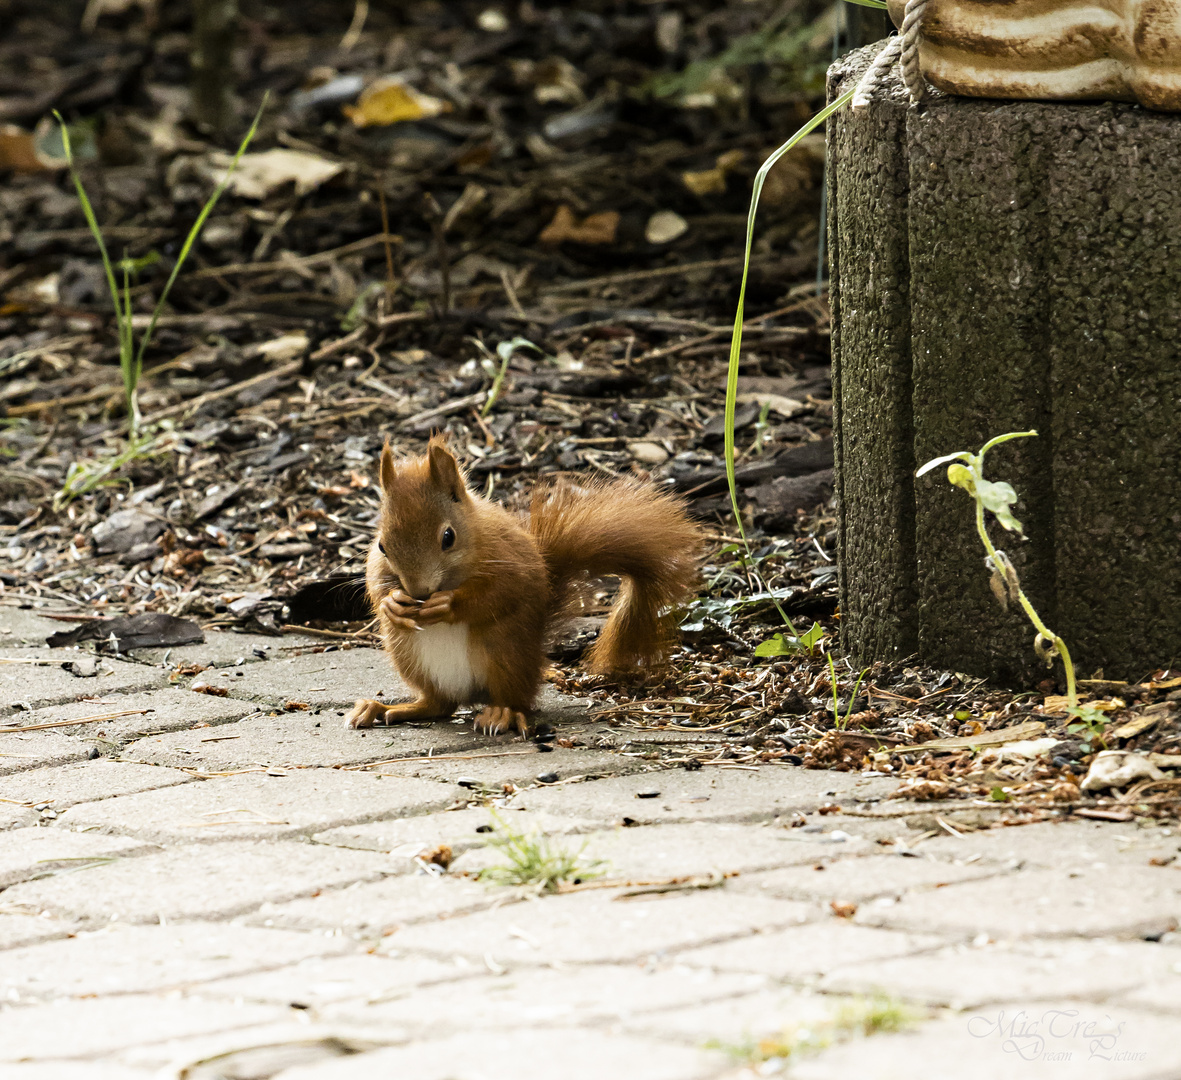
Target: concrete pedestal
point(1000, 266)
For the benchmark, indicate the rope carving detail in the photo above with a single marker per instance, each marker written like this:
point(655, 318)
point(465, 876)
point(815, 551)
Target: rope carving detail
point(903, 48)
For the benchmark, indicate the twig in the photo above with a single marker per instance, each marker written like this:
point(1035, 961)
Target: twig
point(426, 759)
point(446, 409)
point(662, 271)
point(71, 723)
point(225, 391)
point(306, 260)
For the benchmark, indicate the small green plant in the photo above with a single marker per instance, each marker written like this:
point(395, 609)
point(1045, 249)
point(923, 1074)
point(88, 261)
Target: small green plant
point(534, 862)
point(792, 645)
point(504, 353)
point(858, 1018)
point(131, 358)
point(1090, 725)
point(839, 722)
point(966, 470)
point(83, 477)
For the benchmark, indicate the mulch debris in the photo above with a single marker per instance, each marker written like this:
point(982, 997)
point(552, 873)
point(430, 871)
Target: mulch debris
point(443, 190)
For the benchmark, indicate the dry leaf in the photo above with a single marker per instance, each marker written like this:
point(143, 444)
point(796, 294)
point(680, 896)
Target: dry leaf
point(287, 347)
point(713, 181)
point(258, 175)
point(665, 226)
point(596, 229)
point(784, 406)
point(390, 100)
point(18, 151)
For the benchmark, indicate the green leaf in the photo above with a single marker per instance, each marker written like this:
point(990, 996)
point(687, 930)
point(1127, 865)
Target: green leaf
point(778, 646)
point(998, 794)
point(999, 497)
point(813, 637)
point(959, 455)
point(961, 476)
point(963, 714)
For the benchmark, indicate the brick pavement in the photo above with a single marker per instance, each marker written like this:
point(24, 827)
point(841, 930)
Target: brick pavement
point(211, 885)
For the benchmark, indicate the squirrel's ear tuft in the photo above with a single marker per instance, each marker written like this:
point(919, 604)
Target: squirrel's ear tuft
point(444, 468)
point(387, 471)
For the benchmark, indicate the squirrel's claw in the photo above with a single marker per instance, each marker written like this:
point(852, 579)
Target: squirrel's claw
point(401, 614)
point(436, 608)
point(499, 719)
point(366, 713)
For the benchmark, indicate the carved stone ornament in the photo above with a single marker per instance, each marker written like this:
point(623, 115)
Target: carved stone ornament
point(1053, 50)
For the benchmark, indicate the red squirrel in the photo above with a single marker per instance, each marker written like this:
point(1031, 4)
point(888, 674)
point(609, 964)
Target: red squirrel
point(464, 590)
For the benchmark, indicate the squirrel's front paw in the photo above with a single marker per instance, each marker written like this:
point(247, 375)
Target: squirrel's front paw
point(435, 608)
point(498, 719)
point(366, 713)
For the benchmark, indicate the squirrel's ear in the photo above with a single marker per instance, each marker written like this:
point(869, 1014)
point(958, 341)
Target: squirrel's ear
point(444, 468)
point(387, 472)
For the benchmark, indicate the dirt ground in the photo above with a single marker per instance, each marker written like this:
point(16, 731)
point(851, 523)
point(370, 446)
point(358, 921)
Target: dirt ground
point(539, 256)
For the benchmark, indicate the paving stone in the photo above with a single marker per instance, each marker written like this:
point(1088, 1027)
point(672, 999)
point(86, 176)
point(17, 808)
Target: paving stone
point(38, 749)
point(256, 1052)
point(375, 908)
point(803, 953)
point(519, 764)
point(737, 1021)
point(27, 853)
point(967, 977)
point(323, 980)
point(1022, 1041)
point(704, 795)
point(1158, 995)
point(223, 648)
point(406, 838)
point(854, 880)
point(24, 627)
point(73, 1028)
point(1138, 902)
point(257, 806)
point(523, 1055)
point(648, 852)
point(74, 1070)
point(18, 930)
point(1067, 845)
point(598, 994)
point(36, 685)
point(322, 680)
point(591, 928)
point(199, 881)
point(17, 817)
point(296, 739)
point(87, 781)
point(171, 709)
point(120, 959)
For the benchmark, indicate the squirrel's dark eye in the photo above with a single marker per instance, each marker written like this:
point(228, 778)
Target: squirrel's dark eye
point(448, 538)
point(381, 547)
point(455, 496)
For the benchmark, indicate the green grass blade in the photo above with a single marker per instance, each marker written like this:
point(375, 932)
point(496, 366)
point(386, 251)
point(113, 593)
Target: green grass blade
point(736, 339)
point(194, 232)
point(92, 222)
point(868, 3)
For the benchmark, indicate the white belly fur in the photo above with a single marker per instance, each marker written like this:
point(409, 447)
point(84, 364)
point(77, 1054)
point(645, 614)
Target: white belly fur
point(444, 654)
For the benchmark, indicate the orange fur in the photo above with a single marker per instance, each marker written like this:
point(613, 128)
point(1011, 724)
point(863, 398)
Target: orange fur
point(448, 558)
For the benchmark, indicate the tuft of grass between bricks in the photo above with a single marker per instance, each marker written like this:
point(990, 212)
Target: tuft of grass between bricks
point(855, 1019)
point(532, 861)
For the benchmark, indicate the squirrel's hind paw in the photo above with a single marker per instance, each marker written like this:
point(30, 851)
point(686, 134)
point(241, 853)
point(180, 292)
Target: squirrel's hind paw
point(367, 713)
point(499, 719)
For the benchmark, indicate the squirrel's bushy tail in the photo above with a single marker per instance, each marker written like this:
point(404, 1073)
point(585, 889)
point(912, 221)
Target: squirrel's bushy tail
point(621, 528)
